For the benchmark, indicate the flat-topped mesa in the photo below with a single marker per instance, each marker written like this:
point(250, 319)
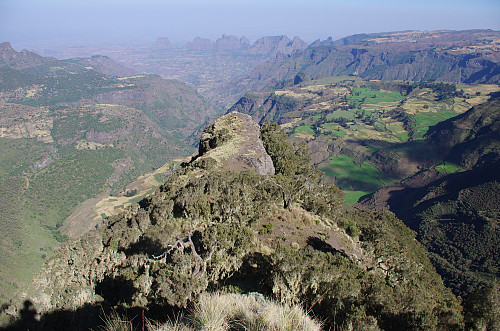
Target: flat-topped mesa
point(233, 143)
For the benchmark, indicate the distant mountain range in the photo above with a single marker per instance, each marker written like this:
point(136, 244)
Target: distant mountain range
point(225, 69)
point(470, 56)
point(202, 63)
point(268, 46)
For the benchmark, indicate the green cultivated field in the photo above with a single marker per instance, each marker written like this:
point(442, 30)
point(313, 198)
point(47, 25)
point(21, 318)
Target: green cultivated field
point(448, 168)
point(368, 95)
point(305, 128)
point(424, 120)
point(350, 174)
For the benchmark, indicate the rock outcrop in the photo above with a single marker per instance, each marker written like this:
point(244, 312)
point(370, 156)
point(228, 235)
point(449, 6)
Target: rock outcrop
point(200, 44)
point(231, 43)
point(78, 273)
point(268, 46)
point(233, 143)
point(163, 42)
point(18, 60)
point(274, 45)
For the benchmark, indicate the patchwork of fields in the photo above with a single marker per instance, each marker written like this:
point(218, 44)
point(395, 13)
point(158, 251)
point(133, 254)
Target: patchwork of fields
point(367, 134)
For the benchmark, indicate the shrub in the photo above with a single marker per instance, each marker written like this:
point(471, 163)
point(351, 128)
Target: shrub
point(266, 229)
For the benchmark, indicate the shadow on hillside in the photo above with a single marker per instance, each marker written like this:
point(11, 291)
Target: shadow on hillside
point(323, 246)
point(415, 150)
point(84, 318)
point(254, 275)
point(89, 317)
point(116, 290)
point(146, 246)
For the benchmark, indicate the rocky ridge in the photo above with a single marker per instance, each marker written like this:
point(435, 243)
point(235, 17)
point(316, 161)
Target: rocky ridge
point(269, 46)
point(18, 60)
point(470, 57)
point(222, 227)
point(69, 279)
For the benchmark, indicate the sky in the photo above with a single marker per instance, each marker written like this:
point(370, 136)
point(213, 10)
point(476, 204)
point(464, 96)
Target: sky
point(33, 24)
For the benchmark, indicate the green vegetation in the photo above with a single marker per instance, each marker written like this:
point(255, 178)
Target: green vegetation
point(354, 196)
point(448, 168)
point(67, 88)
point(349, 173)
point(266, 229)
point(61, 147)
point(426, 120)
point(19, 155)
point(367, 96)
point(57, 189)
point(305, 128)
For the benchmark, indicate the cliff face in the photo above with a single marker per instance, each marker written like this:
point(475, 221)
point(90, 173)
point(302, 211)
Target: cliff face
point(233, 143)
point(274, 45)
point(471, 57)
point(269, 46)
point(231, 43)
point(163, 42)
point(200, 44)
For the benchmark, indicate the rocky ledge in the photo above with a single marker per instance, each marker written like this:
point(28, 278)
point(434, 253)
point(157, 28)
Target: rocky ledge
point(233, 143)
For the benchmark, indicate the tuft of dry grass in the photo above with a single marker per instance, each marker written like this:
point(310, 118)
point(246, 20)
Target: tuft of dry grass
point(224, 312)
point(115, 322)
point(230, 311)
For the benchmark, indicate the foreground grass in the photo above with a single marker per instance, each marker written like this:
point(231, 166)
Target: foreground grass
point(228, 311)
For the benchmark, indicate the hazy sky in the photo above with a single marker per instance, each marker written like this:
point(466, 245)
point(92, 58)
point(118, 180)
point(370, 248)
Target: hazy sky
point(36, 23)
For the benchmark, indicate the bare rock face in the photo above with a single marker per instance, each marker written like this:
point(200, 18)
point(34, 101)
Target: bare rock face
point(228, 43)
point(233, 143)
point(200, 44)
point(273, 45)
point(163, 42)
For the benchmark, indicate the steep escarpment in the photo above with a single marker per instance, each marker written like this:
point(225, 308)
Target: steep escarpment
point(455, 210)
point(283, 235)
point(469, 137)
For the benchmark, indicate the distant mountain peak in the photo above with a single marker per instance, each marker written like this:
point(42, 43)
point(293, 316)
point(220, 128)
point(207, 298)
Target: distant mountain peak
point(18, 60)
point(5, 46)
